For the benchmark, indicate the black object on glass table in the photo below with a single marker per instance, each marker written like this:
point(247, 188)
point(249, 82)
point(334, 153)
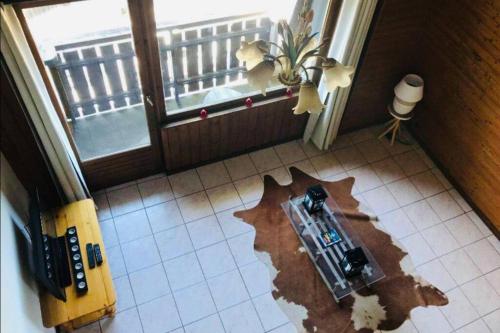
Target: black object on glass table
point(354, 262)
point(98, 254)
point(76, 261)
point(314, 199)
point(90, 255)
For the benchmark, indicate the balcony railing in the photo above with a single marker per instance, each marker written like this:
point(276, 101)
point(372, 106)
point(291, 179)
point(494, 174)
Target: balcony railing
point(101, 75)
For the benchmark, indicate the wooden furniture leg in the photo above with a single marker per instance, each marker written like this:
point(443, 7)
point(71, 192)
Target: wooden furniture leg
point(391, 124)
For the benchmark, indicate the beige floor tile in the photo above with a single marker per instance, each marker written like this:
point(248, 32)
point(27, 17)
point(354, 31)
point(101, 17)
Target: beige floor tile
point(132, 226)
point(440, 239)
point(495, 242)
point(250, 189)
point(224, 197)
point(484, 255)
point(195, 206)
point(418, 249)
point(290, 152)
point(304, 166)
point(427, 160)
point(164, 216)
point(410, 162)
point(388, 170)
point(479, 223)
point(427, 184)
point(342, 141)
point(372, 150)
point(205, 231)
point(365, 178)
point(494, 279)
point(185, 183)
point(397, 148)
point(155, 191)
point(380, 200)
point(493, 321)
point(477, 326)
point(350, 157)
point(460, 200)
point(281, 175)
point(103, 210)
point(460, 266)
point(362, 135)
point(437, 275)
point(310, 148)
point(124, 322)
point(430, 320)
point(214, 174)
point(444, 206)
point(482, 295)
point(404, 192)
point(458, 311)
point(464, 230)
point(265, 159)
point(397, 223)
point(125, 200)
point(240, 167)
point(440, 176)
point(421, 215)
point(326, 165)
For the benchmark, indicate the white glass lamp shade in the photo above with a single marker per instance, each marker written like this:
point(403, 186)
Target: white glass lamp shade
point(402, 107)
point(308, 99)
point(252, 53)
point(260, 75)
point(410, 89)
point(336, 74)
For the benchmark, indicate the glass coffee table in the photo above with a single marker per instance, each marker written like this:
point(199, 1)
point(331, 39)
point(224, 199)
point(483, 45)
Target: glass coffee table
point(310, 227)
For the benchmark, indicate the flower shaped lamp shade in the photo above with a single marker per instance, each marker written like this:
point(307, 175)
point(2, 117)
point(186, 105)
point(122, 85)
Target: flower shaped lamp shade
point(336, 74)
point(291, 65)
point(308, 100)
point(408, 92)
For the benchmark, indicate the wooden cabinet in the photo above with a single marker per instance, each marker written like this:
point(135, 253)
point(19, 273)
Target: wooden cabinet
point(100, 299)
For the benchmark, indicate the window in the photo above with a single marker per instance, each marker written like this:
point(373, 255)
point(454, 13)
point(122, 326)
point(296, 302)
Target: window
point(198, 41)
point(89, 54)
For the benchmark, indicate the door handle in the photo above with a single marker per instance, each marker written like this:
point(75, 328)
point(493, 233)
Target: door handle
point(148, 100)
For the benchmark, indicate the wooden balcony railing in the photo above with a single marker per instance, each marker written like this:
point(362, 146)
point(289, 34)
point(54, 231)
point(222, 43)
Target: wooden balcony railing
point(101, 75)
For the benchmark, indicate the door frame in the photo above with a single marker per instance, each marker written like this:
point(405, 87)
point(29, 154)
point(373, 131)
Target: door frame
point(124, 166)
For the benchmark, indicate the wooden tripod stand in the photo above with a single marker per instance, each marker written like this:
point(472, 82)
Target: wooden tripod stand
point(394, 124)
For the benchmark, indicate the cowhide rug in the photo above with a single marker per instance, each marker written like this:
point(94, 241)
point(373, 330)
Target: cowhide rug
point(298, 288)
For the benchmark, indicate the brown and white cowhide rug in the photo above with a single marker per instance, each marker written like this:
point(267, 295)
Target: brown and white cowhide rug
point(298, 288)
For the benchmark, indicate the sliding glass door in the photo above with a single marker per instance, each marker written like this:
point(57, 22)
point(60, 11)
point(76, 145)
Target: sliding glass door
point(89, 55)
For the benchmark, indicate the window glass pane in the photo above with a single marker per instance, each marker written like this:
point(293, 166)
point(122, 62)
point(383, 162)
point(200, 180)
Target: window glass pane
point(198, 41)
point(89, 54)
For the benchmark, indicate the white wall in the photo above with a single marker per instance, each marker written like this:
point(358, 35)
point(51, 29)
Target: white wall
point(20, 306)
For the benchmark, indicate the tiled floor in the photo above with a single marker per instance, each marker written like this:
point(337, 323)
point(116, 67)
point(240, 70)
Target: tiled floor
point(182, 263)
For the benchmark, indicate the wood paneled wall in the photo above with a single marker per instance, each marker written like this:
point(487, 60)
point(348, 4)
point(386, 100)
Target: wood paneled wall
point(459, 119)
point(389, 55)
point(224, 134)
point(454, 45)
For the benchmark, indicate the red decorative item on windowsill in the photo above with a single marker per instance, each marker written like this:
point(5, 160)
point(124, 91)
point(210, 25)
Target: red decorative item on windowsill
point(248, 102)
point(203, 114)
point(289, 92)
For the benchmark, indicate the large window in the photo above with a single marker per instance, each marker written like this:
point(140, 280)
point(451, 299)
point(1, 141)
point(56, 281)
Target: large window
point(89, 53)
point(198, 41)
